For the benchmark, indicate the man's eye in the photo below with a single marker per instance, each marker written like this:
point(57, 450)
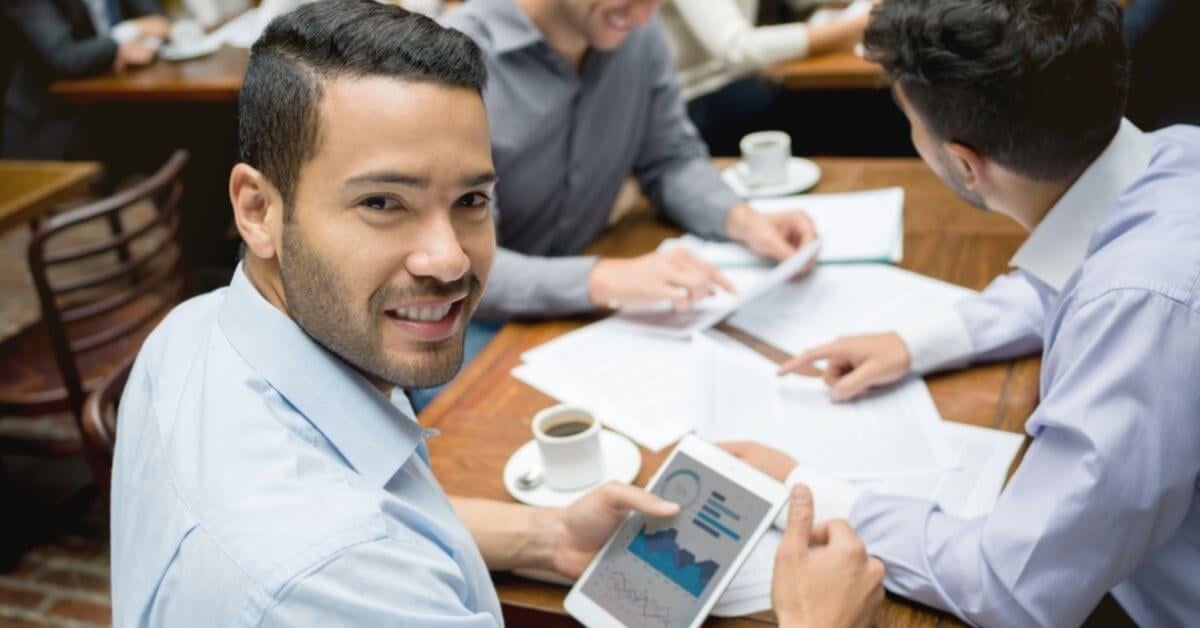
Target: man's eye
point(474, 199)
point(378, 203)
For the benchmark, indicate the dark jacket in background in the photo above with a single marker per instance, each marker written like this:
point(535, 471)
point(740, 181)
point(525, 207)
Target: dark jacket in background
point(55, 39)
point(1162, 37)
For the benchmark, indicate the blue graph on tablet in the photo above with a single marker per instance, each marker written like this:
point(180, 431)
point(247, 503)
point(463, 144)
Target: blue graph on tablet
point(660, 551)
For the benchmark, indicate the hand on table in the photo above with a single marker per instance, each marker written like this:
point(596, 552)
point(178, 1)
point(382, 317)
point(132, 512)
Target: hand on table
point(776, 236)
point(155, 26)
point(676, 275)
point(584, 527)
point(823, 576)
point(132, 54)
point(856, 364)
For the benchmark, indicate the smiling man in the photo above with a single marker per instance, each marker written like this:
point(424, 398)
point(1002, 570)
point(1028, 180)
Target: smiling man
point(269, 470)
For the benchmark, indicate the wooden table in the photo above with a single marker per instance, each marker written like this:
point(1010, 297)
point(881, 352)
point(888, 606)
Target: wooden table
point(836, 71)
point(484, 415)
point(215, 78)
point(29, 188)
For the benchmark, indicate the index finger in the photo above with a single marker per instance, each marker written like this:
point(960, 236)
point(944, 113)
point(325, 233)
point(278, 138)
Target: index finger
point(624, 497)
point(804, 361)
point(712, 273)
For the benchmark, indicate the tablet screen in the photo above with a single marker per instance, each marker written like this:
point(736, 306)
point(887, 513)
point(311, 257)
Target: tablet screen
point(660, 572)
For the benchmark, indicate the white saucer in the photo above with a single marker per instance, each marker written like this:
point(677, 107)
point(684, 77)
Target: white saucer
point(802, 175)
point(622, 460)
point(172, 51)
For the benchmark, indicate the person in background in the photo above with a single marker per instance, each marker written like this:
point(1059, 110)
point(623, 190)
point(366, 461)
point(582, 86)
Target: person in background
point(1160, 34)
point(268, 470)
point(583, 94)
point(69, 39)
point(1017, 105)
point(718, 49)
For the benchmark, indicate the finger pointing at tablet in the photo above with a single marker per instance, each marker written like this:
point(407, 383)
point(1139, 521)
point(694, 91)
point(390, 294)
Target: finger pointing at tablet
point(823, 577)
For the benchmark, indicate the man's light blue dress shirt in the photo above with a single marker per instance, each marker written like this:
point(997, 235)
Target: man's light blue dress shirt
point(260, 481)
point(1108, 289)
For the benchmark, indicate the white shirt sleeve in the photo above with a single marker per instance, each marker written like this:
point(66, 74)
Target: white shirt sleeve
point(726, 34)
point(124, 32)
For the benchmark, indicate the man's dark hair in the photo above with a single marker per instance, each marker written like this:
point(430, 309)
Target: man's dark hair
point(1037, 85)
point(278, 109)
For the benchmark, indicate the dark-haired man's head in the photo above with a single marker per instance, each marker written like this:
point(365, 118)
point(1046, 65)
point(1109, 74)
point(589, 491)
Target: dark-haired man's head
point(1005, 95)
point(363, 192)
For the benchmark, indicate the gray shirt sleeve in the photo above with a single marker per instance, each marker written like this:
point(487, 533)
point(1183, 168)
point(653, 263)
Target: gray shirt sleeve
point(673, 166)
point(528, 285)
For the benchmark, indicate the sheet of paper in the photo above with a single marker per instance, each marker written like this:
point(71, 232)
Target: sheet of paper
point(241, 31)
point(890, 432)
point(854, 227)
point(972, 489)
point(842, 300)
point(645, 386)
point(968, 492)
point(712, 311)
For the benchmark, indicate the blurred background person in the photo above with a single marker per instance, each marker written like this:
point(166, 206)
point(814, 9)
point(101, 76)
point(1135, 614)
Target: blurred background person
point(65, 39)
point(1159, 34)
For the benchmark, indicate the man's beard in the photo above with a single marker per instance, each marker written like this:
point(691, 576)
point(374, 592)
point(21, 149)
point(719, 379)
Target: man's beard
point(318, 304)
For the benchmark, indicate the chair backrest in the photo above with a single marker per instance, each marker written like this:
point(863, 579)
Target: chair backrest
point(100, 425)
point(140, 277)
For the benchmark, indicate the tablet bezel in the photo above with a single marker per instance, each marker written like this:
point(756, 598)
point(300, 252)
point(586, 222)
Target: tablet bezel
point(590, 613)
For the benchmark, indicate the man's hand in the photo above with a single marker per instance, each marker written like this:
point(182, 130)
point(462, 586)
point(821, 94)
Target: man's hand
point(676, 275)
point(132, 54)
point(153, 26)
point(857, 363)
point(773, 462)
point(584, 527)
point(776, 236)
point(823, 576)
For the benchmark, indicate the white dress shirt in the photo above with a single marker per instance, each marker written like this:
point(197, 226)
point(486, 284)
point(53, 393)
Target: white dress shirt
point(1107, 287)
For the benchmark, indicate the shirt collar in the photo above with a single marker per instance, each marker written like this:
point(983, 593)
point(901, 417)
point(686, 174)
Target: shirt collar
point(375, 435)
point(1059, 244)
point(510, 27)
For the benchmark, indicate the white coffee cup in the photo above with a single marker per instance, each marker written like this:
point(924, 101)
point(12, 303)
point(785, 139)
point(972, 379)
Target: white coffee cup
point(569, 440)
point(765, 158)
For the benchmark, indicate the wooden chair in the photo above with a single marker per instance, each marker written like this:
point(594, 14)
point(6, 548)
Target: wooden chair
point(100, 425)
point(92, 324)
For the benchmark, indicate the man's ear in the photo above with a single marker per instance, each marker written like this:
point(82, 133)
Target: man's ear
point(257, 210)
point(968, 163)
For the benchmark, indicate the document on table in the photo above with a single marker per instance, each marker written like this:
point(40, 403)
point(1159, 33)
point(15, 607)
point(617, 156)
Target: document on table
point(842, 300)
point(853, 226)
point(969, 491)
point(646, 386)
point(709, 312)
point(889, 432)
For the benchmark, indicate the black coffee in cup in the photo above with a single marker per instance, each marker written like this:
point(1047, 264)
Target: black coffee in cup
point(568, 428)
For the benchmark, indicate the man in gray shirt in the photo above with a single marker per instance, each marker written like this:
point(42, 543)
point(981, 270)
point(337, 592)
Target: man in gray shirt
point(581, 94)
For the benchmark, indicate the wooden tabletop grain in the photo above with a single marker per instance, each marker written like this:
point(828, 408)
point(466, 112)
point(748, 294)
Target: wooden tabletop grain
point(835, 71)
point(218, 78)
point(29, 188)
point(215, 78)
point(484, 415)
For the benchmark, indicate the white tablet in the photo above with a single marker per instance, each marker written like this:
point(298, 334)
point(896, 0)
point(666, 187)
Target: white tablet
point(670, 572)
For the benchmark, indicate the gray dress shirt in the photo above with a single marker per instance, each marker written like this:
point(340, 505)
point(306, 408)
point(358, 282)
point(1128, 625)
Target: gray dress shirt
point(564, 140)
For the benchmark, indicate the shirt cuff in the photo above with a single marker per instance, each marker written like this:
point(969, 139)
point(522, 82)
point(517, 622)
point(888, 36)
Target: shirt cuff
point(832, 498)
point(124, 32)
point(937, 341)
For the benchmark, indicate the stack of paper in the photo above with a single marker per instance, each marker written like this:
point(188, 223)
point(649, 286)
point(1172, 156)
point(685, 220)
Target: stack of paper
point(854, 227)
point(969, 491)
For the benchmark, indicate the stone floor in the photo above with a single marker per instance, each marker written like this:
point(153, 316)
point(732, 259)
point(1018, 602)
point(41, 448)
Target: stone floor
point(62, 580)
